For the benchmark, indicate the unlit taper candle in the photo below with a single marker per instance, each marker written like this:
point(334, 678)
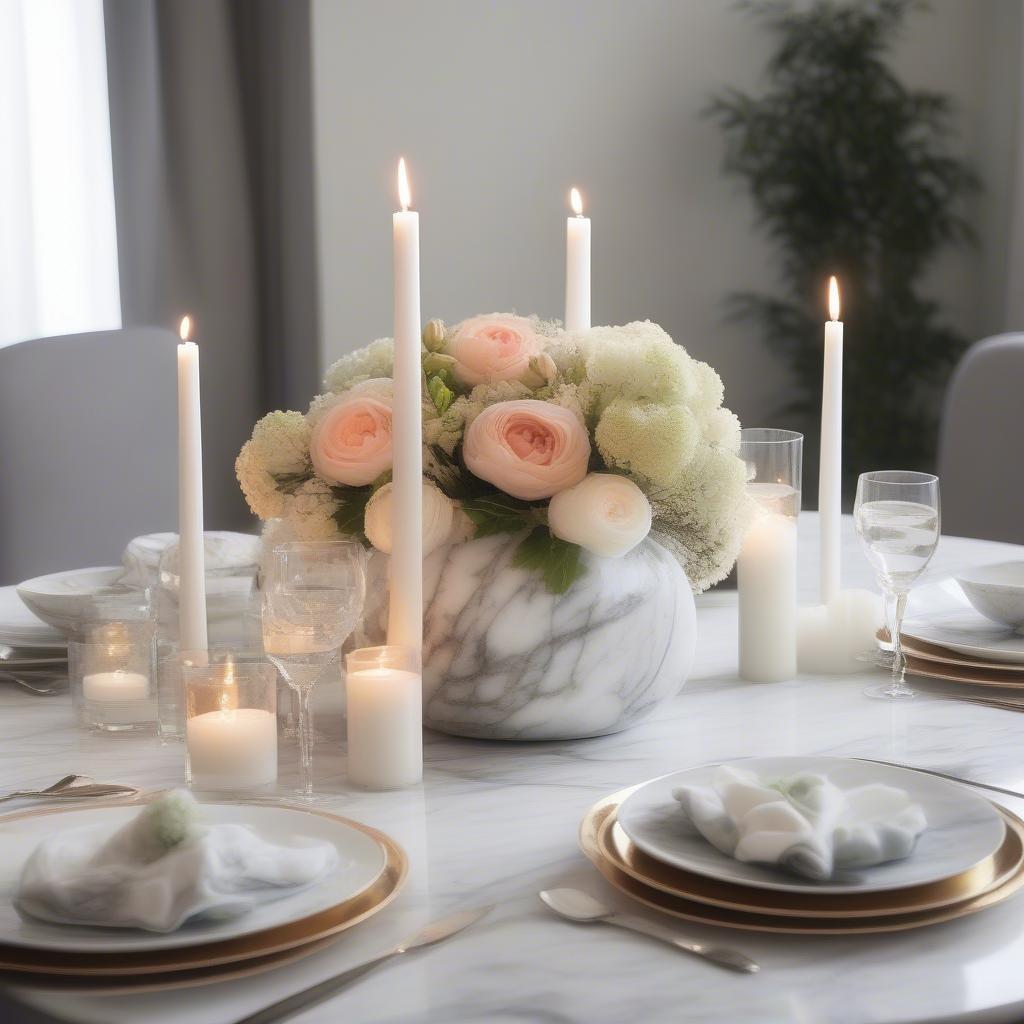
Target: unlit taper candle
point(577, 267)
point(405, 616)
point(830, 472)
point(191, 559)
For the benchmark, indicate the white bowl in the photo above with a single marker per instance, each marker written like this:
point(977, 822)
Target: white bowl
point(61, 597)
point(997, 591)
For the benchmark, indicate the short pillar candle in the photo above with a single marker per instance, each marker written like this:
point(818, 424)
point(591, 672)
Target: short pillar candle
point(385, 717)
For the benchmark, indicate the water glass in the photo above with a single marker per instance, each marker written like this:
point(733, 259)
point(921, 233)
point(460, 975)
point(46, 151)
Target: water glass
point(898, 521)
point(312, 601)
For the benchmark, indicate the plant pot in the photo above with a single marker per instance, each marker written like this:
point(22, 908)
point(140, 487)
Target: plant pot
point(504, 659)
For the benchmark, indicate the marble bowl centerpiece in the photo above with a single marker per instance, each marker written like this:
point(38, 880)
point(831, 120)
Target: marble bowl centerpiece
point(505, 659)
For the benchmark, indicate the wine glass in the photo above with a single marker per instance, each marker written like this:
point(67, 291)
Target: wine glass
point(312, 601)
point(898, 522)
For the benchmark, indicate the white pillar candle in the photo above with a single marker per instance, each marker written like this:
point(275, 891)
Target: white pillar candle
point(234, 749)
point(385, 727)
point(830, 476)
point(405, 616)
point(766, 575)
point(191, 567)
point(577, 267)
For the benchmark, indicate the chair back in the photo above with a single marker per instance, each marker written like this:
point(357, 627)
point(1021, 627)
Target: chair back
point(981, 444)
point(88, 448)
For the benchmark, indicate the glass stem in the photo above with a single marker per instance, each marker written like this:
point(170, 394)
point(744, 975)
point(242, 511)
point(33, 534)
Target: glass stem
point(306, 739)
point(896, 606)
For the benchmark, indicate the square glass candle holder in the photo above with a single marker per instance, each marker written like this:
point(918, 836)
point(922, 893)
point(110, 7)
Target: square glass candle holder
point(230, 721)
point(384, 698)
point(113, 682)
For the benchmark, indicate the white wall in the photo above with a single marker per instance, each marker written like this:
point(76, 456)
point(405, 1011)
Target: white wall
point(499, 107)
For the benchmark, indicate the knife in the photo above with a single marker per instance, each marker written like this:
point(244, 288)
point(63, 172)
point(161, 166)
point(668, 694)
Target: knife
point(436, 931)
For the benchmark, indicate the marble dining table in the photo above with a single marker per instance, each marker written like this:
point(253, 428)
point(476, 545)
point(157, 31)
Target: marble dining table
point(495, 822)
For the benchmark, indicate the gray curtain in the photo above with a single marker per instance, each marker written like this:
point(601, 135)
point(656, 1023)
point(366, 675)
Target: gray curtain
point(211, 131)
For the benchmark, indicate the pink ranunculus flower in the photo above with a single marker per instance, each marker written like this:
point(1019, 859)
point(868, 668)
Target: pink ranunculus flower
point(351, 442)
point(492, 348)
point(528, 449)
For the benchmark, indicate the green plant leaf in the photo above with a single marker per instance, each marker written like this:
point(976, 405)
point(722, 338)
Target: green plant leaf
point(289, 483)
point(498, 513)
point(441, 395)
point(351, 511)
point(557, 560)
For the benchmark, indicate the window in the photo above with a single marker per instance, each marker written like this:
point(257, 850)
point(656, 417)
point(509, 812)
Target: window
point(58, 244)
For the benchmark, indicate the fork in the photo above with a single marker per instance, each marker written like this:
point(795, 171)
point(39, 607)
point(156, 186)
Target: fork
point(72, 787)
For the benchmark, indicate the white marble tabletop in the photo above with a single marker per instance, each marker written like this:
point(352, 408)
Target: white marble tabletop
point(493, 823)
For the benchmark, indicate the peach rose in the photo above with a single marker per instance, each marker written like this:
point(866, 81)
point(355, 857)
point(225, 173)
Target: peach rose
point(528, 449)
point(351, 442)
point(492, 348)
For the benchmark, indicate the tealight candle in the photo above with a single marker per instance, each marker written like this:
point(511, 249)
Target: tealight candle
point(385, 717)
point(231, 724)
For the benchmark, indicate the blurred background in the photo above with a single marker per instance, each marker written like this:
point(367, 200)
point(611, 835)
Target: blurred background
point(235, 160)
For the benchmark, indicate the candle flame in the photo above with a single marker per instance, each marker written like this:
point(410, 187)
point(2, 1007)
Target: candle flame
point(185, 328)
point(228, 697)
point(404, 195)
point(576, 202)
point(833, 298)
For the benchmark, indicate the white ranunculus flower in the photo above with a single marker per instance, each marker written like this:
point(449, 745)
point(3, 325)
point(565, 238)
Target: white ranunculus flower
point(438, 516)
point(604, 513)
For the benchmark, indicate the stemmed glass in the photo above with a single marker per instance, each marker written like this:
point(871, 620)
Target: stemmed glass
point(312, 601)
point(898, 522)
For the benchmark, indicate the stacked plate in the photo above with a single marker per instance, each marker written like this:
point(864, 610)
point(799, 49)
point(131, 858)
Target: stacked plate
point(21, 628)
point(946, 637)
point(373, 870)
point(970, 857)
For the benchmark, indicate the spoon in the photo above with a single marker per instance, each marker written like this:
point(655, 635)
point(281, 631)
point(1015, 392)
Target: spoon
point(583, 908)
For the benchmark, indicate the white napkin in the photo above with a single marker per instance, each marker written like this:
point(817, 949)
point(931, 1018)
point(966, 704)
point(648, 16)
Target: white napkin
point(162, 869)
point(804, 824)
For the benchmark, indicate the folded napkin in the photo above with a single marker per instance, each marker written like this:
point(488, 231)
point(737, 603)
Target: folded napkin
point(804, 824)
point(164, 868)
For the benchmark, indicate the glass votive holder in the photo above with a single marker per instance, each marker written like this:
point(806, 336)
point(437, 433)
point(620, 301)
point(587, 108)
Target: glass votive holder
point(766, 567)
point(230, 720)
point(113, 685)
point(384, 697)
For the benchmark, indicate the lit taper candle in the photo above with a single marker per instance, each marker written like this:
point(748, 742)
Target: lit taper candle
point(405, 617)
point(191, 558)
point(830, 473)
point(577, 267)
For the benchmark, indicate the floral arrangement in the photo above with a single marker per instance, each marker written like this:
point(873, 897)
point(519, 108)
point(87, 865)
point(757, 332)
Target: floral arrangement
point(577, 441)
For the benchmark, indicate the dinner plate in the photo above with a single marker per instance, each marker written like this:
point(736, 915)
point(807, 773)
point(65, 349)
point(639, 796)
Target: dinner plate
point(604, 860)
point(923, 651)
point(970, 633)
point(1007, 861)
point(362, 860)
point(963, 828)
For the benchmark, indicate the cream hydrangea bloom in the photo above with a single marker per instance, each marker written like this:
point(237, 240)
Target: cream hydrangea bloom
point(652, 441)
point(279, 446)
point(311, 511)
point(375, 360)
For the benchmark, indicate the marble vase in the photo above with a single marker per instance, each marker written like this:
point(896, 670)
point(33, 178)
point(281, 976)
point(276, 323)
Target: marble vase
point(504, 659)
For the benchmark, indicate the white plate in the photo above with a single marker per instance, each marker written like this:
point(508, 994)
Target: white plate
point(60, 597)
point(21, 627)
point(361, 858)
point(963, 828)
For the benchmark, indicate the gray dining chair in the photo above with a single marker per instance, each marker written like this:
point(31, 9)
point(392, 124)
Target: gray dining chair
point(981, 466)
point(88, 448)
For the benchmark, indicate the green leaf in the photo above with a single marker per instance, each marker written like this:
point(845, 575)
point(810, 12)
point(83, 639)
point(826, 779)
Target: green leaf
point(498, 513)
point(289, 483)
point(441, 395)
point(453, 478)
point(557, 560)
point(351, 509)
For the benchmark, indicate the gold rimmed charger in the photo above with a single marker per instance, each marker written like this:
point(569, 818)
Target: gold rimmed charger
point(258, 945)
point(708, 901)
